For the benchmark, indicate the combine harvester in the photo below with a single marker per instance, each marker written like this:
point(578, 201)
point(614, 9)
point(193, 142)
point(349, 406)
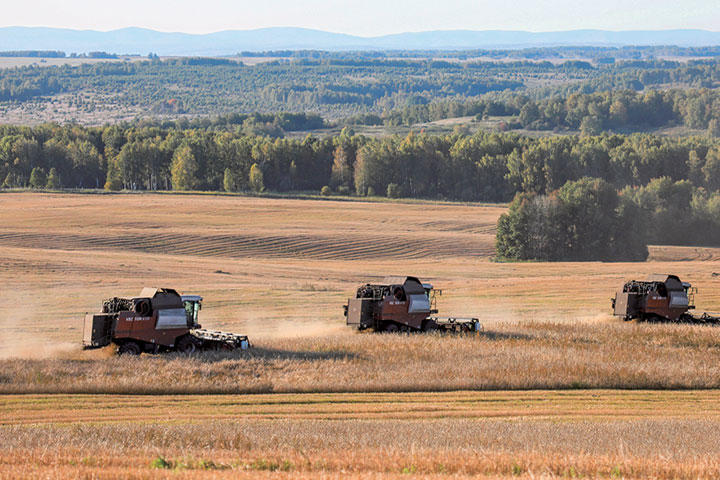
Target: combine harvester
point(660, 298)
point(159, 320)
point(402, 304)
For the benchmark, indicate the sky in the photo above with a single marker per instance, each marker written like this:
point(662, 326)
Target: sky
point(366, 17)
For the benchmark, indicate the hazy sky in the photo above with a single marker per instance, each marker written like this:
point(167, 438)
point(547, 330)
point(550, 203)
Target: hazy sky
point(365, 17)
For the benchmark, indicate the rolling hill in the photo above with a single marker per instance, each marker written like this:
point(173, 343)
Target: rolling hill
point(142, 41)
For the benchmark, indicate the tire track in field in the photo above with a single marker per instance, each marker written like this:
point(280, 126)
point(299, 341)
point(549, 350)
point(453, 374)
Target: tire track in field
point(346, 247)
point(671, 253)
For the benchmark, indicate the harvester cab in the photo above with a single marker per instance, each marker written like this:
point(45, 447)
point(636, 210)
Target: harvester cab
point(401, 304)
point(432, 294)
point(192, 305)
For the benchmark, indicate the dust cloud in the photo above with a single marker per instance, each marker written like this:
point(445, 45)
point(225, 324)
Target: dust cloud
point(288, 329)
point(24, 325)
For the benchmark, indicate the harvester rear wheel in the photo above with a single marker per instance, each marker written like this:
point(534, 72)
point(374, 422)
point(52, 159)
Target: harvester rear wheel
point(129, 348)
point(391, 328)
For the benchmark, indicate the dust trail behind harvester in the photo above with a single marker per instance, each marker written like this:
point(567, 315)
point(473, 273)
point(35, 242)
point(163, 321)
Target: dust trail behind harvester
point(24, 327)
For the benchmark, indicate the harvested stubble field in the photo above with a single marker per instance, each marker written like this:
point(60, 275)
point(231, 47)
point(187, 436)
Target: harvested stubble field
point(284, 267)
point(279, 270)
point(539, 434)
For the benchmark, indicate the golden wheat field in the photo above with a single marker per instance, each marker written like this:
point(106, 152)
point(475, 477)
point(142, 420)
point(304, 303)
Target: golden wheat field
point(284, 267)
point(530, 397)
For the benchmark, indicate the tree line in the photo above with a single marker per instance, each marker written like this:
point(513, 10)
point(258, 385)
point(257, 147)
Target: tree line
point(33, 53)
point(480, 167)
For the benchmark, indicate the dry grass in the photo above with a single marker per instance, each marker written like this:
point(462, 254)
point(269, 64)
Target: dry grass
point(538, 405)
point(510, 356)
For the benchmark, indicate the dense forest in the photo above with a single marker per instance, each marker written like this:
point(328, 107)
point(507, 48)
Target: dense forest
point(583, 220)
point(588, 113)
point(597, 54)
point(369, 88)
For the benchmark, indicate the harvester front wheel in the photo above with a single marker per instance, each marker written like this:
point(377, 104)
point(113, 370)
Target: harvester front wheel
point(186, 345)
point(429, 326)
point(129, 348)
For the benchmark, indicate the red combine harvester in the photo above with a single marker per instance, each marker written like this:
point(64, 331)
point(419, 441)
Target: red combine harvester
point(159, 320)
point(659, 298)
point(402, 304)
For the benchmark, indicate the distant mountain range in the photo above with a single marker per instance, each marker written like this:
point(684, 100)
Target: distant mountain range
point(143, 41)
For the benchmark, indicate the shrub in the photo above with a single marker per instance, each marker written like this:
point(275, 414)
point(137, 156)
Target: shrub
point(160, 462)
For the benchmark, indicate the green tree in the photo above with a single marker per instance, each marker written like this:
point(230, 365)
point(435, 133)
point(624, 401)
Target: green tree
point(184, 169)
point(87, 170)
point(255, 180)
point(373, 166)
point(529, 114)
point(37, 178)
point(341, 174)
point(711, 170)
point(230, 183)
point(590, 125)
point(393, 190)
point(668, 207)
point(114, 181)
point(11, 181)
point(53, 180)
